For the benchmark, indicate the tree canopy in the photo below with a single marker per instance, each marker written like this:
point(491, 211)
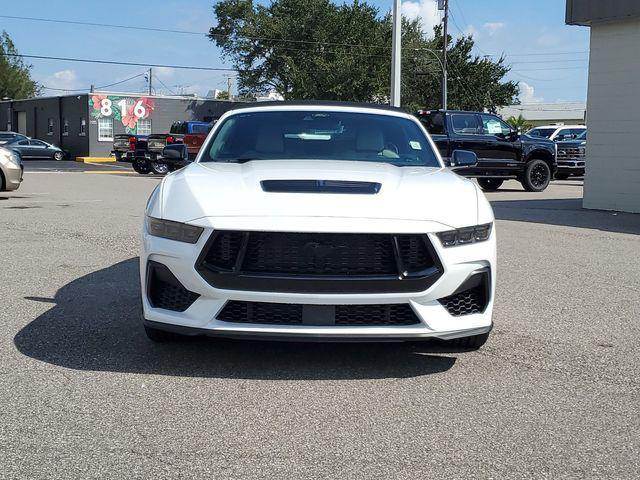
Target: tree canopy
point(15, 74)
point(316, 49)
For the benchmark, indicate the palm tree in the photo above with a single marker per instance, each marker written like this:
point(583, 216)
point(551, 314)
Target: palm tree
point(519, 123)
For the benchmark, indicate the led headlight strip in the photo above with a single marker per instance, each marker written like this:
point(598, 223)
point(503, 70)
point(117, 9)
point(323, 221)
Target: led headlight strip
point(466, 235)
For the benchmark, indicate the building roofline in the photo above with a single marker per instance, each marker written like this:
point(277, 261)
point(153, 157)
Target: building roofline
point(122, 94)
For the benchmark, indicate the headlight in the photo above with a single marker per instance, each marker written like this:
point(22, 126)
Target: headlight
point(180, 232)
point(12, 156)
point(463, 236)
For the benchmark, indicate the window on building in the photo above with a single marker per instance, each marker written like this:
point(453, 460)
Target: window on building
point(65, 127)
point(105, 130)
point(50, 126)
point(83, 127)
point(144, 126)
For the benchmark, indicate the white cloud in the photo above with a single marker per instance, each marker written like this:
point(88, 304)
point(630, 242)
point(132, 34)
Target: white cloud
point(164, 72)
point(471, 30)
point(527, 94)
point(426, 10)
point(64, 79)
point(493, 27)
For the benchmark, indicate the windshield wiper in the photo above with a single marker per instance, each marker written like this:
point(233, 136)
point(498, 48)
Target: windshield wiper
point(241, 160)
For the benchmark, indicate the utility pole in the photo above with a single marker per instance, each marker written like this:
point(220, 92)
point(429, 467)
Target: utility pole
point(150, 80)
point(396, 53)
point(229, 88)
point(445, 21)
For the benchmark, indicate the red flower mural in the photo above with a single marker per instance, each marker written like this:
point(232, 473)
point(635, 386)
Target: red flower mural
point(148, 105)
point(129, 119)
point(97, 101)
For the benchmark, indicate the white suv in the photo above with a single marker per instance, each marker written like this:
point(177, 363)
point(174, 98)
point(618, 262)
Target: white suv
point(319, 220)
point(557, 133)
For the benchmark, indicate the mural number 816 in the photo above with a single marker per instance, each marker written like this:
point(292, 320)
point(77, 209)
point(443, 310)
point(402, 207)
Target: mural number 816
point(107, 110)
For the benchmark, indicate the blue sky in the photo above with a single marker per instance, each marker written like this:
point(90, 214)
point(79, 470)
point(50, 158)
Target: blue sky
point(548, 58)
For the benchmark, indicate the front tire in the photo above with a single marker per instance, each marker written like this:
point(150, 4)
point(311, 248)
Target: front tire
point(57, 156)
point(159, 168)
point(140, 166)
point(537, 176)
point(490, 184)
point(473, 342)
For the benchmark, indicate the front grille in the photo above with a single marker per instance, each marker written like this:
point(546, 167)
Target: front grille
point(319, 262)
point(571, 153)
point(164, 290)
point(338, 315)
point(465, 303)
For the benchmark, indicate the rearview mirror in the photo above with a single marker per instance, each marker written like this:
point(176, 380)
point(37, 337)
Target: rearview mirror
point(463, 158)
point(176, 151)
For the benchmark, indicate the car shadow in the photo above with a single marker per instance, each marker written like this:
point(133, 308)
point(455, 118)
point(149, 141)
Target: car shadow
point(94, 325)
point(566, 212)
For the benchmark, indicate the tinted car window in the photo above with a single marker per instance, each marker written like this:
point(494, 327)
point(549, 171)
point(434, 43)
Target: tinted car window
point(200, 128)
point(433, 122)
point(465, 123)
point(179, 128)
point(37, 143)
point(541, 132)
point(320, 135)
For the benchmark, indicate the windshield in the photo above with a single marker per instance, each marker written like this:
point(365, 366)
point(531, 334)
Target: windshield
point(541, 132)
point(200, 128)
point(320, 135)
point(582, 136)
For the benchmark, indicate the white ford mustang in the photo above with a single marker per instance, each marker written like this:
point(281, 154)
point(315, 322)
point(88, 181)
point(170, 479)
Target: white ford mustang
point(319, 221)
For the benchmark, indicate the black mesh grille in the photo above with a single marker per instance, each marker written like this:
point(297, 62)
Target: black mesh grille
point(319, 254)
point(165, 291)
point(259, 312)
point(467, 302)
point(319, 262)
point(375, 315)
point(293, 314)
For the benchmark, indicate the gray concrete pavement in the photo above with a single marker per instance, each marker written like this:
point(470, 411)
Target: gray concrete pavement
point(553, 394)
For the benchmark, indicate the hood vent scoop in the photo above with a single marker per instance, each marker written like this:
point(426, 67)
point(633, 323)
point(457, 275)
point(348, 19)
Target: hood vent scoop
point(321, 186)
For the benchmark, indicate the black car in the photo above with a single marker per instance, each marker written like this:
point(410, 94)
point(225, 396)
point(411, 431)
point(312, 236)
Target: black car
point(34, 148)
point(571, 155)
point(502, 152)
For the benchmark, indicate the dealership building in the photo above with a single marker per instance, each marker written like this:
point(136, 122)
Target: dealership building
point(84, 125)
point(612, 179)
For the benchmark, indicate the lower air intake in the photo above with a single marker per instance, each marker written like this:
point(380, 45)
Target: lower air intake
point(165, 291)
point(319, 315)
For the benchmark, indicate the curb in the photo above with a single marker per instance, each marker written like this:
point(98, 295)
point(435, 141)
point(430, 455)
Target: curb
point(95, 159)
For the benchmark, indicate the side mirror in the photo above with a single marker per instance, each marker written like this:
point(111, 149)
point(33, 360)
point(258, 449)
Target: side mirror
point(176, 151)
point(463, 158)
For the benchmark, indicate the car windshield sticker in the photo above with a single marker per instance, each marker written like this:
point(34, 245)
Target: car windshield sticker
point(415, 145)
point(493, 127)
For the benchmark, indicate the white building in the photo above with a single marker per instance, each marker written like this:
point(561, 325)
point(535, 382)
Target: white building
point(569, 113)
point(612, 180)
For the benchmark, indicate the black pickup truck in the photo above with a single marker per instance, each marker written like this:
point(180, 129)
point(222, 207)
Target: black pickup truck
point(502, 152)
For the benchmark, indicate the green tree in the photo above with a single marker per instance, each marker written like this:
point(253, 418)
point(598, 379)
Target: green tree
point(519, 123)
point(15, 74)
point(315, 49)
point(222, 95)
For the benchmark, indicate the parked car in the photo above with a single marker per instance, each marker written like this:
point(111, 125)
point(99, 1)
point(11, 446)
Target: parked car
point(571, 155)
point(11, 170)
point(133, 149)
point(34, 148)
point(180, 132)
point(319, 220)
point(557, 133)
point(194, 138)
point(6, 137)
point(502, 152)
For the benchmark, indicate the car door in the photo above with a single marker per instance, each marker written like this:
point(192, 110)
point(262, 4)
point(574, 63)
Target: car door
point(22, 147)
point(502, 147)
point(464, 134)
point(39, 149)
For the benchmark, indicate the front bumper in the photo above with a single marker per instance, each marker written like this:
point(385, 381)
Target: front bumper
point(200, 318)
point(571, 166)
point(12, 176)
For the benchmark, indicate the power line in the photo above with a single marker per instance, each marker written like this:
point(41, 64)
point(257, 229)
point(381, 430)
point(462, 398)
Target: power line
point(112, 62)
point(163, 84)
point(97, 88)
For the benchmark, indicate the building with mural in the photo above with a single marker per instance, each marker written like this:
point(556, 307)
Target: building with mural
point(84, 125)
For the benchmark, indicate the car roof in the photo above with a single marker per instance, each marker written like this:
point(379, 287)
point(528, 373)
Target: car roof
point(318, 103)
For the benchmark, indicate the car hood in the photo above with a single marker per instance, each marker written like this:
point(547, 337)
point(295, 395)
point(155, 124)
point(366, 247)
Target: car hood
point(234, 190)
point(537, 140)
point(572, 143)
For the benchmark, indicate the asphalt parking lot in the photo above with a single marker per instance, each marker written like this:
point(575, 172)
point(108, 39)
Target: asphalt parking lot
point(554, 393)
